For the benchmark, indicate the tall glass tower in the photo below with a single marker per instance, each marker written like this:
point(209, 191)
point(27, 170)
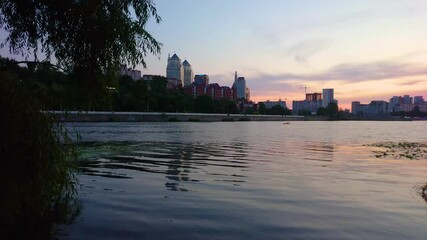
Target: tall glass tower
point(174, 68)
point(188, 73)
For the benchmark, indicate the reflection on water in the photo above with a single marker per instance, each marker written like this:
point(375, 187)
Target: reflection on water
point(251, 180)
point(178, 162)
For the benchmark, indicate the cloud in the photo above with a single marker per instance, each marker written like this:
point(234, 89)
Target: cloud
point(302, 51)
point(352, 72)
point(408, 83)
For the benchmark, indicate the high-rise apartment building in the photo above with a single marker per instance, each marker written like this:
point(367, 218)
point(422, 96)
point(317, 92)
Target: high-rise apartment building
point(134, 74)
point(354, 107)
point(313, 96)
point(201, 80)
point(240, 86)
point(188, 73)
point(174, 68)
point(328, 96)
point(419, 100)
point(407, 99)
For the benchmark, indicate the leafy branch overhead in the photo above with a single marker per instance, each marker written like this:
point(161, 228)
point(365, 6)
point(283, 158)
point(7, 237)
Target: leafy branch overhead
point(96, 35)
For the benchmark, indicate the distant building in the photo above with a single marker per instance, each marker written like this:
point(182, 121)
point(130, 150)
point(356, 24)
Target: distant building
point(240, 87)
point(148, 77)
point(313, 96)
point(214, 90)
point(354, 107)
point(134, 74)
point(269, 104)
point(328, 96)
point(201, 80)
point(247, 94)
point(311, 106)
point(174, 68)
point(407, 99)
point(419, 100)
point(403, 104)
point(371, 109)
point(188, 73)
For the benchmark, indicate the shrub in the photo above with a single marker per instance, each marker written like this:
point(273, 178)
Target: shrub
point(173, 119)
point(35, 165)
point(194, 119)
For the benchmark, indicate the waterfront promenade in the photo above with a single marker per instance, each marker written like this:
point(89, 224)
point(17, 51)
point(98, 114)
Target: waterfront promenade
point(94, 116)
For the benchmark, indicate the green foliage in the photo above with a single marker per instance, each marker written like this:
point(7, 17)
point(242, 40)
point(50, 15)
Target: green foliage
point(262, 109)
point(250, 110)
point(304, 112)
point(173, 119)
point(35, 165)
point(89, 39)
point(204, 104)
point(414, 113)
point(226, 106)
point(230, 119)
point(275, 110)
point(194, 119)
point(83, 35)
point(322, 111)
point(332, 109)
point(244, 119)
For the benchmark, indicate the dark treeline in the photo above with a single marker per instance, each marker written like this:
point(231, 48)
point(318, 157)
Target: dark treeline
point(414, 113)
point(58, 91)
point(154, 96)
point(275, 110)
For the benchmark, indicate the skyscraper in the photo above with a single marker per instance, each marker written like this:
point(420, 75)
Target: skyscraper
point(240, 86)
point(174, 68)
point(328, 96)
point(201, 80)
point(188, 73)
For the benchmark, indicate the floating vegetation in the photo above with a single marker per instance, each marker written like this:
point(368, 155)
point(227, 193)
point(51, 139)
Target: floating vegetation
point(422, 190)
point(408, 150)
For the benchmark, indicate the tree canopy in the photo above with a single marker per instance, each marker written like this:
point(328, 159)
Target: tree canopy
point(95, 36)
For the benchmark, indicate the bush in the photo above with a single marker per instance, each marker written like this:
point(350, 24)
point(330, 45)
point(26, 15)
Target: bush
point(244, 119)
point(228, 119)
point(35, 165)
point(173, 119)
point(194, 119)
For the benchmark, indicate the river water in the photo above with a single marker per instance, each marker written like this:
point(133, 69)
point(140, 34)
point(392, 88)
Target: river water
point(248, 180)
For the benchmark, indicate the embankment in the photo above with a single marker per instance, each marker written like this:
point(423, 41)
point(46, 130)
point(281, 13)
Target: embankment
point(77, 116)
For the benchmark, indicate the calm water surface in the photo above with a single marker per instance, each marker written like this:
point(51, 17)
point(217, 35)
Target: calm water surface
point(248, 180)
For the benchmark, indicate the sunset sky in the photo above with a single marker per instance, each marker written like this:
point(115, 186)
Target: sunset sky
point(364, 49)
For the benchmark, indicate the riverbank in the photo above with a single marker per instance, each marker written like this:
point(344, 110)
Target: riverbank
point(94, 116)
point(77, 116)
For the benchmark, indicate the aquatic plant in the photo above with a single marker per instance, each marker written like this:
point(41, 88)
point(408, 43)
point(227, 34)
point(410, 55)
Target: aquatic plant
point(36, 166)
point(398, 150)
point(424, 191)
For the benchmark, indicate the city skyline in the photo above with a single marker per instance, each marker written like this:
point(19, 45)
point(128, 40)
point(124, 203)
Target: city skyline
point(355, 47)
point(364, 50)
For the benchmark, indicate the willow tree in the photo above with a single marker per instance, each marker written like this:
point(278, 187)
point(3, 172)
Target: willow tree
point(87, 38)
